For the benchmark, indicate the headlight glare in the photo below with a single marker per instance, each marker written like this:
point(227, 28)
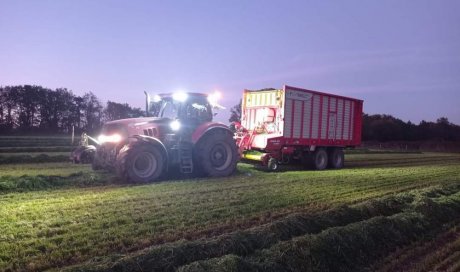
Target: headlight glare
point(175, 125)
point(114, 138)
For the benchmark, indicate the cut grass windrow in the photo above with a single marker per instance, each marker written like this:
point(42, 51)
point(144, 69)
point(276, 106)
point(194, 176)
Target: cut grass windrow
point(27, 158)
point(38, 183)
point(170, 256)
point(36, 149)
point(442, 253)
point(45, 169)
point(345, 248)
point(68, 225)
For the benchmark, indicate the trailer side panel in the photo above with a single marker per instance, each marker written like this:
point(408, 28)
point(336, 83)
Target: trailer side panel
point(313, 118)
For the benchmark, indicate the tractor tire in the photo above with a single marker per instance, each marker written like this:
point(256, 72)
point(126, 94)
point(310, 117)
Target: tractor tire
point(336, 158)
point(320, 159)
point(83, 154)
point(87, 156)
point(95, 164)
point(140, 163)
point(216, 154)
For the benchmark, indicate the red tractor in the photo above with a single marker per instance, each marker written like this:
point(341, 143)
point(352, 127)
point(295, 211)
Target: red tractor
point(179, 135)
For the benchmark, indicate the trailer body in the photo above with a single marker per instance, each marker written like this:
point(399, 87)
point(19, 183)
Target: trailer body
point(292, 123)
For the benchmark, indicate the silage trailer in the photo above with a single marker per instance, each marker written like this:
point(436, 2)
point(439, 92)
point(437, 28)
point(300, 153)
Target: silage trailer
point(295, 125)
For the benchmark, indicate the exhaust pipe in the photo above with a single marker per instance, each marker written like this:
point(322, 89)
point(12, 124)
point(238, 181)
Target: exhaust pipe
point(147, 104)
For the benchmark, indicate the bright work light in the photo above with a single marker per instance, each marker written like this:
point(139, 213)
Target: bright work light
point(175, 125)
point(156, 98)
point(180, 96)
point(214, 97)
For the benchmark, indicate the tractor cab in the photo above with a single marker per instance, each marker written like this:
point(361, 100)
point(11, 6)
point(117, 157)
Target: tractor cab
point(185, 111)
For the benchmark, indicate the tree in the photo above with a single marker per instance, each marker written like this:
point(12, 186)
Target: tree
point(92, 112)
point(115, 111)
point(235, 113)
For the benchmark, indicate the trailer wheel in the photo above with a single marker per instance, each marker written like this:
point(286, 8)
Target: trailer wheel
point(320, 159)
point(140, 163)
point(217, 154)
point(336, 158)
point(272, 164)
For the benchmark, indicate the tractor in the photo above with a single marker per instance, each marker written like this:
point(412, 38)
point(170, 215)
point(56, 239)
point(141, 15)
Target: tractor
point(178, 134)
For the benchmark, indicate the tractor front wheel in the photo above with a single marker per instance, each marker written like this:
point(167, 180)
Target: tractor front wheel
point(140, 163)
point(217, 154)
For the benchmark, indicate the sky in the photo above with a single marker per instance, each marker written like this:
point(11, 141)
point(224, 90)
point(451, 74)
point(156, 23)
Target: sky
point(401, 57)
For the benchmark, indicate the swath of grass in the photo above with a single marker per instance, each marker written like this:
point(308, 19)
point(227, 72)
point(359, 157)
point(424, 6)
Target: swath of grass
point(27, 158)
point(37, 183)
point(437, 254)
point(36, 141)
point(44, 169)
point(346, 248)
point(34, 149)
point(169, 256)
point(53, 228)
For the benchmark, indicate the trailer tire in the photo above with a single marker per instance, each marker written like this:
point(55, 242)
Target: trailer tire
point(216, 154)
point(320, 159)
point(273, 165)
point(336, 158)
point(140, 163)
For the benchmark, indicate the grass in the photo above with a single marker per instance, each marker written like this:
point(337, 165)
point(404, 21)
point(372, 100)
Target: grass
point(36, 141)
point(439, 253)
point(167, 256)
point(34, 149)
point(345, 248)
point(59, 225)
point(43, 169)
point(15, 158)
point(35, 154)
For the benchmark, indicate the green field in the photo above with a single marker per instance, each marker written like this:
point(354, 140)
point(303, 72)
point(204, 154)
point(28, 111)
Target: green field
point(59, 215)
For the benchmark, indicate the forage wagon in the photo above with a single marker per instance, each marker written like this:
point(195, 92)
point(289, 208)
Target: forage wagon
point(282, 126)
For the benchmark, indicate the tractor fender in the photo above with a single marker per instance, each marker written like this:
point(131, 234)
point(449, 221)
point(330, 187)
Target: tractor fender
point(139, 139)
point(206, 128)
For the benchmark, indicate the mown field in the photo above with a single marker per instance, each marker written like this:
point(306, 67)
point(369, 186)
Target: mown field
point(384, 211)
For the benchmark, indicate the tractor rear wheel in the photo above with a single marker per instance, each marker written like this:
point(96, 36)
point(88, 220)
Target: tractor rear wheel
point(336, 158)
point(320, 159)
point(140, 163)
point(217, 154)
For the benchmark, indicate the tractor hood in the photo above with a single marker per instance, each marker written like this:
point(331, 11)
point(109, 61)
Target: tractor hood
point(115, 131)
point(130, 122)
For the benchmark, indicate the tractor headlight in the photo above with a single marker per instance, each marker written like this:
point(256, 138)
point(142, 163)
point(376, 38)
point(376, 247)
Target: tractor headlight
point(114, 138)
point(175, 125)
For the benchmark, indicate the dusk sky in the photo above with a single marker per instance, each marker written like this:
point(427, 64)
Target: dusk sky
point(400, 57)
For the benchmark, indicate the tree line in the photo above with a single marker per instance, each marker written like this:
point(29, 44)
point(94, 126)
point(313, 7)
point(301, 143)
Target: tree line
point(31, 109)
point(34, 109)
point(384, 128)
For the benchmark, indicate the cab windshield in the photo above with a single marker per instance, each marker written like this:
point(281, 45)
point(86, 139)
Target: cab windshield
point(195, 108)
